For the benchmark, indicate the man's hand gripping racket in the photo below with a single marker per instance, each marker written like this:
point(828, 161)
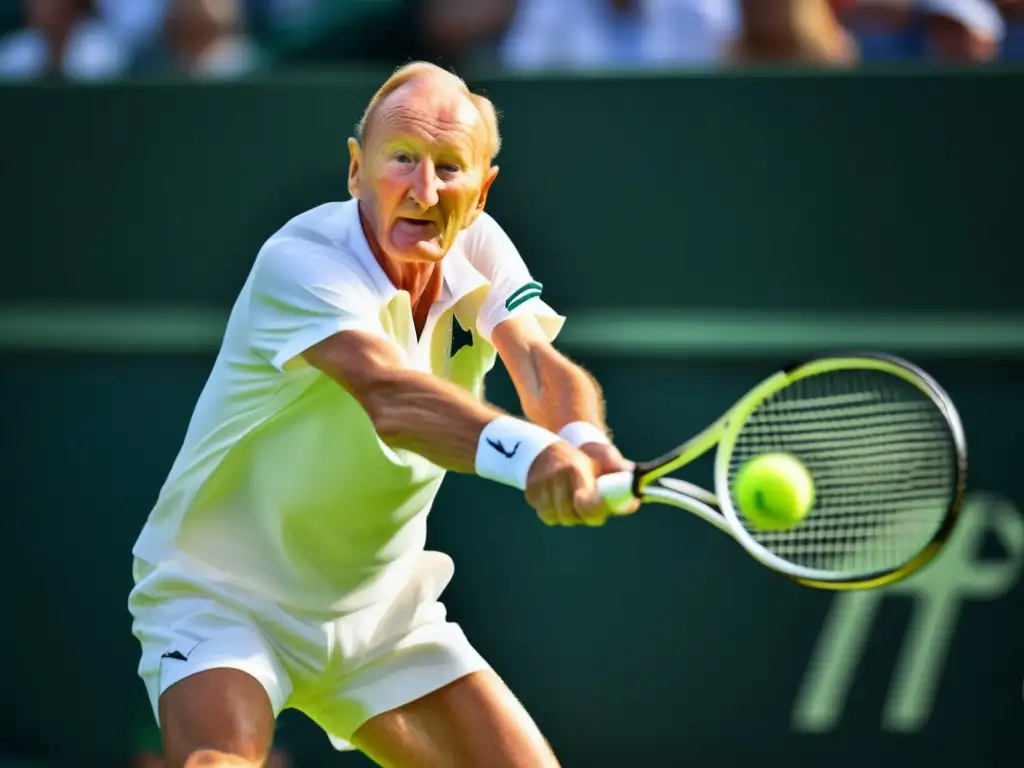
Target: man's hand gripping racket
point(881, 443)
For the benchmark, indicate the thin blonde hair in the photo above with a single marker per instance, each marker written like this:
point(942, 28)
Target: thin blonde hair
point(409, 72)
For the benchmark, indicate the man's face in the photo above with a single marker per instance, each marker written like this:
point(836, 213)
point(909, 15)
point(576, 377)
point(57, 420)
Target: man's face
point(422, 175)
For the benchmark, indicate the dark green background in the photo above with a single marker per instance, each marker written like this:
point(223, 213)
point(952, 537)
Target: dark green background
point(654, 641)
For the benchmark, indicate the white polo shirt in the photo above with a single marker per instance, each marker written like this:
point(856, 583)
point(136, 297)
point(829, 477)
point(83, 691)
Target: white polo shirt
point(281, 484)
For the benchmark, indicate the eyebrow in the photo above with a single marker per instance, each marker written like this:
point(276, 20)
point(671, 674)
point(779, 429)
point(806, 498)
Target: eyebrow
point(445, 150)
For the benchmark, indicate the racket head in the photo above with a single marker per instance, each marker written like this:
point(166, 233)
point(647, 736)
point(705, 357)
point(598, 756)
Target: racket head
point(887, 452)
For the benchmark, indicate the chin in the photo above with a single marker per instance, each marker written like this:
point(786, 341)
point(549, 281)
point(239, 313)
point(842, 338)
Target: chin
point(424, 253)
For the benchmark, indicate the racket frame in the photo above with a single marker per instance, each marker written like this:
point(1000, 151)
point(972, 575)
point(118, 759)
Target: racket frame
point(650, 484)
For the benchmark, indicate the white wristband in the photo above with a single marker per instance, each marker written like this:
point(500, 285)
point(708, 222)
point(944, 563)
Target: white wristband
point(507, 448)
point(582, 432)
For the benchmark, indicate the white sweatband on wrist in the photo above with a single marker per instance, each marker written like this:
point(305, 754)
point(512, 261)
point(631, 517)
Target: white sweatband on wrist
point(582, 432)
point(507, 448)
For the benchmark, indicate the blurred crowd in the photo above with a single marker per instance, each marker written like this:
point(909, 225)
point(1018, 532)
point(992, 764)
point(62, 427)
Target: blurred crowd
point(98, 39)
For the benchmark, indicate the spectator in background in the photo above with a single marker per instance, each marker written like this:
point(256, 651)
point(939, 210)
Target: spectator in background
point(465, 33)
point(284, 14)
point(949, 31)
point(621, 34)
point(793, 31)
point(207, 39)
point(963, 31)
point(338, 33)
point(1013, 41)
point(62, 38)
point(137, 23)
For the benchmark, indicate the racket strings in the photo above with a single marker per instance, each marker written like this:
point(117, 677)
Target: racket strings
point(882, 459)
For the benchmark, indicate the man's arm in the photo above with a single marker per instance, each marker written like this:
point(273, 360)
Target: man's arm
point(409, 409)
point(553, 390)
point(448, 426)
point(556, 392)
point(308, 307)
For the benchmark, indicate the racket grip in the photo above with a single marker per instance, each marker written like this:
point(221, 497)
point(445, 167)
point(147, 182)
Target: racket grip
point(617, 491)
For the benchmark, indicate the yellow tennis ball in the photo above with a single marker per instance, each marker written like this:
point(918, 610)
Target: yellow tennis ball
point(774, 491)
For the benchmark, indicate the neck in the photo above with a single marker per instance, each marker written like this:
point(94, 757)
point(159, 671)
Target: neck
point(421, 280)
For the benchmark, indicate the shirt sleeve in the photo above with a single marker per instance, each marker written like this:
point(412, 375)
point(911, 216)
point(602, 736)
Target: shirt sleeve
point(513, 290)
point(302, 293)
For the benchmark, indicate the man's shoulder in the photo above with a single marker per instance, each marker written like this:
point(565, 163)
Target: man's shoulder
point(487, 246)
point(485, 223)
point(319, 245)
point(326, 224)
point(480, 236)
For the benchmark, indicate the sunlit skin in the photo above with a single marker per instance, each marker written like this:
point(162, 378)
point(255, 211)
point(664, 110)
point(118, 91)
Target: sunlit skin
point(421, 176)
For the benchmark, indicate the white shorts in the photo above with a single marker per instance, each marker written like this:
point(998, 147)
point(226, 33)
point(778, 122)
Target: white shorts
point(340, 671)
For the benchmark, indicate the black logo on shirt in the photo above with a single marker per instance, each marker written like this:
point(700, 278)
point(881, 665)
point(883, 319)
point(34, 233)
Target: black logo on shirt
point(460, 338)
point(500, 448)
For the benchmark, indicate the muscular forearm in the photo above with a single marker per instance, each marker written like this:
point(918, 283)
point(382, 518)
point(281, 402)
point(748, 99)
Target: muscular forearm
point(434, 418)
point(555, 392)
point(410, 410)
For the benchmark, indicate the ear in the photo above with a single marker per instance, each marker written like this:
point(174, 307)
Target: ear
point(492, 174)
point(354, 162)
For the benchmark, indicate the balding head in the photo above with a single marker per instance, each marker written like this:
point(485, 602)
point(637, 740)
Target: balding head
point(428, 81)
point(421, 166)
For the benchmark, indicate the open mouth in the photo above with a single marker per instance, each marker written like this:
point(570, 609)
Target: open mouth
point(423, 228)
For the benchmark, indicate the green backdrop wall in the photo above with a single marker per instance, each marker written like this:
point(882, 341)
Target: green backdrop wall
point(806, 191)
point(654, 641)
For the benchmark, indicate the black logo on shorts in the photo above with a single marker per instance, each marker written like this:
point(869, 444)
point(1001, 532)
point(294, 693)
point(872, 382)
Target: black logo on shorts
point(500, 448)
point(178, 655)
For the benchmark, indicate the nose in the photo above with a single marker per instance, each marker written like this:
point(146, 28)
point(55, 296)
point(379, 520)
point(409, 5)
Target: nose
point(425, 185)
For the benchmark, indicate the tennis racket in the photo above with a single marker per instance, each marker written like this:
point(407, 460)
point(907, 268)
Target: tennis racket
point(883, 444)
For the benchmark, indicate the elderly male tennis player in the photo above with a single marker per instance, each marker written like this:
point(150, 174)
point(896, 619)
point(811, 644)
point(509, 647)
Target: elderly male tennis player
point(283, 564)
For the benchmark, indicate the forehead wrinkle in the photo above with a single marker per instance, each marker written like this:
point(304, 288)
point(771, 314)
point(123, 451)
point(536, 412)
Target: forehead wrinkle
point(420, 110)
point(435, 131)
